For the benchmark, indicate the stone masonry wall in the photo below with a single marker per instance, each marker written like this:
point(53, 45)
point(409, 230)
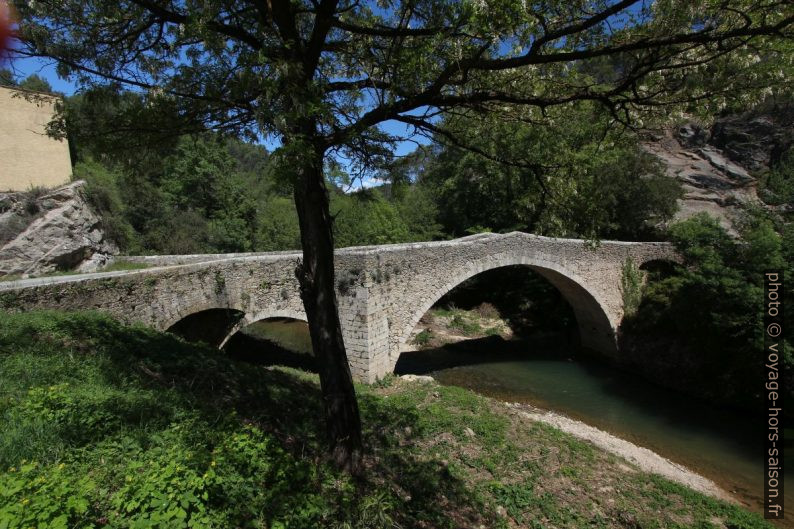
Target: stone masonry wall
point(28, 157)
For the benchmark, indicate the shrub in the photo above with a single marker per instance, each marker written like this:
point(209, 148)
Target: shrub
point(487, 310)
point(423, 338)
point(631, 281)
point(102, 192)
point(460, 322)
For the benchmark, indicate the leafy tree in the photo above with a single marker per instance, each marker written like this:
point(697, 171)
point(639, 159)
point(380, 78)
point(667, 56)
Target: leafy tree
point(195, 199)
point(419, 212)
point(322, 75)
point(7, 77)
point(777, 185)
point(120, 128)
point(35, 83)
point(32, 82)
point(366, 218)
point(570, 175)
point(104, 194)
point(278, 225)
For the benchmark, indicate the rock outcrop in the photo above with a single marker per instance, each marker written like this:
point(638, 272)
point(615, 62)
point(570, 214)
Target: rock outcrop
point(50, 231)
point(717, 166)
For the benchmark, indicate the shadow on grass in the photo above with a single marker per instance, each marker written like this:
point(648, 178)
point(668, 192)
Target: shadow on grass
point(112, 367)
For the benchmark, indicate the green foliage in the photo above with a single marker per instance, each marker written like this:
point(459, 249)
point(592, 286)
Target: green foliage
point(203, 193)
point(561, 177)
point(119, 128)
point(460, 322)
point(37, 496)
point(366, 218)
point(102, 191)
point(7, 77)
point(713, 306)
point(278, 225)
point(631, 281)
point(121, 264)
point(423, 337)
point(516, 499)
point(35, 83)
point(418, 210)
point(776, 187)
point(116, 439)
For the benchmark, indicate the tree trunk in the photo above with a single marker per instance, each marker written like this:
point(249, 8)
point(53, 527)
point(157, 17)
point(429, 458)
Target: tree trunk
point(316, 277)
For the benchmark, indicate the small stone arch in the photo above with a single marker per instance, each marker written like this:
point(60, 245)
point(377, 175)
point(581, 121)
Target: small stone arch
point(182, 312)
point(265, 314)
point(208, 325)
point(594, 319)
point(661, 265)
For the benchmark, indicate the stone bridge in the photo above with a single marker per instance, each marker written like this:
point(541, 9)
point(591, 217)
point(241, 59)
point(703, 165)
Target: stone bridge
point(383, 290)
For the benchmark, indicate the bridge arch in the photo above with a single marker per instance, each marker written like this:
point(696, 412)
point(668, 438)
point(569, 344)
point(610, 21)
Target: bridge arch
point(266, 314)
point(594, 320)
point(208, 325)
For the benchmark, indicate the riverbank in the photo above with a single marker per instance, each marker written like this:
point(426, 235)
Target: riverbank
point(105, 424)
point(544, 372)
point(645, 459)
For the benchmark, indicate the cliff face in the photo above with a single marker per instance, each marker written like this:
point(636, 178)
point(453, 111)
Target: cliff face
point(51, 231)
point(718, 166)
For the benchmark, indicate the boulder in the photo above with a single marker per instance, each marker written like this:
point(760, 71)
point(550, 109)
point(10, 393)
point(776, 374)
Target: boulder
point(692, 135)
point(424, 379)
point(49, 231)
point(755, 140)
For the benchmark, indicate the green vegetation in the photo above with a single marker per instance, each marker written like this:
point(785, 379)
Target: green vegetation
point(566, 177)
point(777, 186)
point(205, 194)
point(162, 191)
point(699, 329)
point(463, 324)
point(33, 82)
point(631, 282)
point(109, 425)
point(423, 337)
point(121, 264)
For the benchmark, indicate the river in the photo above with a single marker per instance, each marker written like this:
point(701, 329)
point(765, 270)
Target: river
point(723, 445)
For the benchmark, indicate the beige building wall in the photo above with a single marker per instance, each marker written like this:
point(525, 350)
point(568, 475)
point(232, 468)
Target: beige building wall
point(28, 157)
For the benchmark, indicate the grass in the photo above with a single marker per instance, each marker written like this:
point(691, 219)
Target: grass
point(423, 337)
point(109, 425)
point(122, 265)
point(464, 325)
point(459, 319)
point(14, 277)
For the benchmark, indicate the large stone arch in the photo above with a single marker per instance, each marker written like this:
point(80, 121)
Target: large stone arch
point(596, 325)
